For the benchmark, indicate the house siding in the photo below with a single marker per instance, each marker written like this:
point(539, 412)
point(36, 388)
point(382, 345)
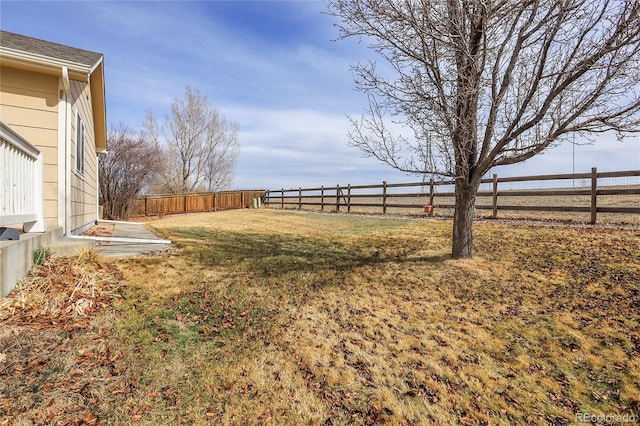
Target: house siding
point(29, 105)
point(83, 185)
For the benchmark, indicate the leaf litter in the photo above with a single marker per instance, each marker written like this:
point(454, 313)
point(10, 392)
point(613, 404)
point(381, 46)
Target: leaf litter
point(57, 365)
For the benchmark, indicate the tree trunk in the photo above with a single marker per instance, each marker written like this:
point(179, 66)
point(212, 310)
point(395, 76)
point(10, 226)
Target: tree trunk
point(462, 247)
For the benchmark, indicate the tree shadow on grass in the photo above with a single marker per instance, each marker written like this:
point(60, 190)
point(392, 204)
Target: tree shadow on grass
point(277, 254)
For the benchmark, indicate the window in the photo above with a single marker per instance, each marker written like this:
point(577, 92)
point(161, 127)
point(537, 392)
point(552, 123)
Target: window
point(80, 146)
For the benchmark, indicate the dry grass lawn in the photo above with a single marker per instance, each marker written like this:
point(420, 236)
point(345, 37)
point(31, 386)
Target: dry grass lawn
point(277, 317)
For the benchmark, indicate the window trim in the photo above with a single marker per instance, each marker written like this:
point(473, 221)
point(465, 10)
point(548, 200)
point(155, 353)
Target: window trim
point(80, 141)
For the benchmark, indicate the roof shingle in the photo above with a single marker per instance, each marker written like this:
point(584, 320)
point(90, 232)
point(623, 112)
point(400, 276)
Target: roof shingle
point(49, 49)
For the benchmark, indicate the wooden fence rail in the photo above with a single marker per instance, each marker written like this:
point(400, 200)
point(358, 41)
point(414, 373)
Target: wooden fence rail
point(158, 205)
point(386, 196)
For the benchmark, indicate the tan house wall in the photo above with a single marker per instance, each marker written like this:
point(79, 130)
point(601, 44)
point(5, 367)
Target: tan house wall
point(29, 105)
point(83, 185)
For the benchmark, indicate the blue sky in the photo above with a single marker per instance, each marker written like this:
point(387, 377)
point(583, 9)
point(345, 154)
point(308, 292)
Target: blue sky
point(270, 66)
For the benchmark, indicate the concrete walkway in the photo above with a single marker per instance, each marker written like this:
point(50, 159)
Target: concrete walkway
point(130, 230)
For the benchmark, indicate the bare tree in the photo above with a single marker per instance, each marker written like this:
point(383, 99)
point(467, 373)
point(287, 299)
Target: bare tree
point(483, 83)
point(199, 145)
point(127, 167)
point(222, 153)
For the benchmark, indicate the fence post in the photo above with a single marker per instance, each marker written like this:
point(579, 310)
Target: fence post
point(432, 193)
point(242, 200)
point(282, 198)
point(384, 197)
point(337, 198)
point(349, 198)
point(266, 198)
point(495, 196)
point(215, 206)
point(185, 204)
point(594, 194)
point(322, 198)
point(299, 198)
point(145, 206)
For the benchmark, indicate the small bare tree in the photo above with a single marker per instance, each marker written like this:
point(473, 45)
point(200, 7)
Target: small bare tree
point(128, 166)
point(222, 153)
point(483, 83)
point(199, 145)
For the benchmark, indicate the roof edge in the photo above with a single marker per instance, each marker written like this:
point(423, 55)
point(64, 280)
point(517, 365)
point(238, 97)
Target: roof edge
point(98, 100)
point(21, 55)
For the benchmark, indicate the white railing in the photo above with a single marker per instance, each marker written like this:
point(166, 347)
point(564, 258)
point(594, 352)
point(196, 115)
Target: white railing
point(21, 182)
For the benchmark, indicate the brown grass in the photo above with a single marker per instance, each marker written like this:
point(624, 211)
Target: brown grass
point(269, 317)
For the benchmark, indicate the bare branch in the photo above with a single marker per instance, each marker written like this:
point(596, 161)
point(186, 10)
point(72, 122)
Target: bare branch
point(125, 170)
point(200, 146)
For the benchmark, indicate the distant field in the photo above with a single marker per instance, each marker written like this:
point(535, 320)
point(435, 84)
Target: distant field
point(287, 318)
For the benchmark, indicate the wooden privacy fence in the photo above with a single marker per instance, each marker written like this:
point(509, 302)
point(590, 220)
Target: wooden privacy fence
point(440, 196)
point(158, 205)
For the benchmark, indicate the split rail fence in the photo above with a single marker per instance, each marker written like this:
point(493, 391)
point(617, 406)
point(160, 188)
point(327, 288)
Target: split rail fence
point(595, 192)
point(159, 205)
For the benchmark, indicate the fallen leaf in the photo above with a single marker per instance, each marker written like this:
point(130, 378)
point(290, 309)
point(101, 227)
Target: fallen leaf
point(91, 419)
